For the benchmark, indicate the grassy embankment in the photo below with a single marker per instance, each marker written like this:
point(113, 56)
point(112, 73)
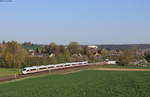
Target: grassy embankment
point(8, 71)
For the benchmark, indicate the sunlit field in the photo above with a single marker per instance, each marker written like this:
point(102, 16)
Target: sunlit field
point(87, 83)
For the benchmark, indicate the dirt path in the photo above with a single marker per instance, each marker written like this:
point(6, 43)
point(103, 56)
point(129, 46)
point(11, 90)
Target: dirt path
point(121, 69)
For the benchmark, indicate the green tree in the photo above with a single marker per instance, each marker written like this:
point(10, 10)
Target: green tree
point(62, 49)
point(147, 57)
point(13, 54)
point(52, 48)
point(1, 49)
point(126, 57)
point(84, 50)
point(74, 48)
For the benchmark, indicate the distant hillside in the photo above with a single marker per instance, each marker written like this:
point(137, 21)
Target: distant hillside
point(125, 46)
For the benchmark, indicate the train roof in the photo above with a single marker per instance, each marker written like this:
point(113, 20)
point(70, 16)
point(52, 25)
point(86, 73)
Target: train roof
point(33, 67)
point(42, 66)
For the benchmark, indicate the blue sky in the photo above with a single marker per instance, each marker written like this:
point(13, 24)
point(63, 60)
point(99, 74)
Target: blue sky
point(84, 21)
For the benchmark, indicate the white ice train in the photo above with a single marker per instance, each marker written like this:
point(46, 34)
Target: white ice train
point(35, 69)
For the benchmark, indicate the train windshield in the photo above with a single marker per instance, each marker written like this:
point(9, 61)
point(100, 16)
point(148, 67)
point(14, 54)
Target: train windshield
point(24, 69)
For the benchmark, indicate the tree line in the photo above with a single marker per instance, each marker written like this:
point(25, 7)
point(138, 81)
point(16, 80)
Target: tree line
point(15, 55)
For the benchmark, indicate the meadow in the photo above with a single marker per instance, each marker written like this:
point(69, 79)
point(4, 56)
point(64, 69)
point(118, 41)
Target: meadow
point(88, 83)
point(12, 71)
point(8, 71)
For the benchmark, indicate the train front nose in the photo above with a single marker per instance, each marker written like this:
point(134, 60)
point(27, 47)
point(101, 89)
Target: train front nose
point(24, 71)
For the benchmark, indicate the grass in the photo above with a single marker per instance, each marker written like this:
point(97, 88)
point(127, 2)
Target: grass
point(13, 71)
point(86, 83)
point(126, 66)
point(8, 71)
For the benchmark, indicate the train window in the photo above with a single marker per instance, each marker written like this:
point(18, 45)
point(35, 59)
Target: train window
point(24, 69)
point(43, 68)
point(60, 66)
point(33, 69)
point(27, 70)
point(51, 67)
point(67, 65)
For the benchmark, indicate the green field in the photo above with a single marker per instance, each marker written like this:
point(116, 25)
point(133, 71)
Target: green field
point(8, 71)
point(126, 66)
point(81, 84)
point(13, 71)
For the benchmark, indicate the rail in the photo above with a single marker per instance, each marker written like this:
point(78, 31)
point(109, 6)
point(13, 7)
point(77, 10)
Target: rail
point(19, 76)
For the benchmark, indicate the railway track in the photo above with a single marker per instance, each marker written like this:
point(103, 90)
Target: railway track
point(20, 76)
